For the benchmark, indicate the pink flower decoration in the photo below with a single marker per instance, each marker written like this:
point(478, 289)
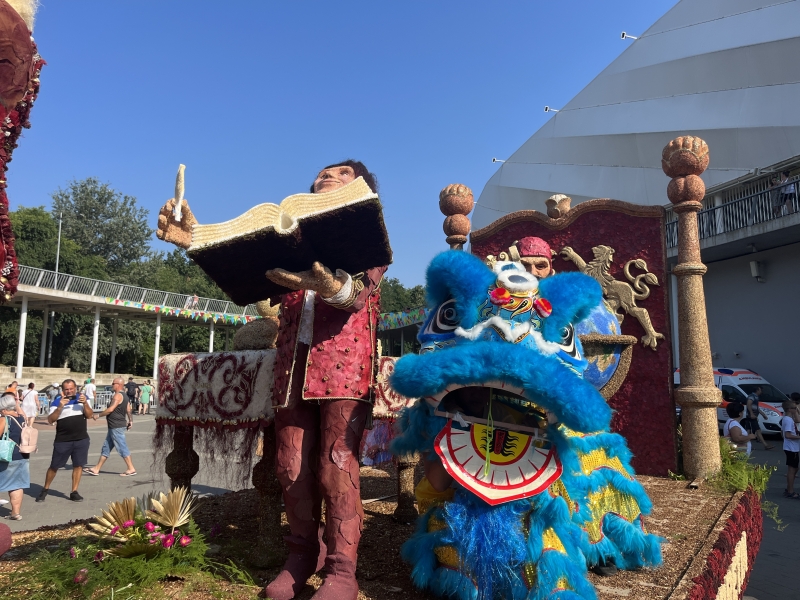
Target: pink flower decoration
point(130, 523)
point(81, 577)
point(168, 541)
point(150, 527)
point(99, 556)
point(185, 541)
point(72, 553)
point(114, 530)
point(154, 540)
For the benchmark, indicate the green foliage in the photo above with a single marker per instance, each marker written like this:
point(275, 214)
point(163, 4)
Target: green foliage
point(738, 473)
point(395, 297)
point(51, 574)
point(36, 233)
point(771, 510)
point(103, 222)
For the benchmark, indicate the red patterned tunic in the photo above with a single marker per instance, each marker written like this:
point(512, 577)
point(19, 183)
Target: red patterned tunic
point(342, 359)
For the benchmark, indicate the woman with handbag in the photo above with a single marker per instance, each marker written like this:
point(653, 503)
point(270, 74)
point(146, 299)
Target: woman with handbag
point(15, 474)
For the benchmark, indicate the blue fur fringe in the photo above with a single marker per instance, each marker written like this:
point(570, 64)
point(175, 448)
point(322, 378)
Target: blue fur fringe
point(461, 276)
point(573, 296)
point(418, 428)
point(544, 378)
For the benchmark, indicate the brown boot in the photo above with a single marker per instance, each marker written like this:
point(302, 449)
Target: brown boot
point(342, 423)
point(340, 580)
point(296, 434)
point(304, 560)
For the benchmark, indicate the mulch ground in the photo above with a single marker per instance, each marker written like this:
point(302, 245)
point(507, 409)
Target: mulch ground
point(683, 517)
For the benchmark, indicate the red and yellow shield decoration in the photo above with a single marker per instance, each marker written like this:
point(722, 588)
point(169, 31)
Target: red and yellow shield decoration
point(519, 465)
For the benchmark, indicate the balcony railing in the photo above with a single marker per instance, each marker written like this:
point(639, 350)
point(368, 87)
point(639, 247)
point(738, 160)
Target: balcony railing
point(51, 280)
point(759, 207)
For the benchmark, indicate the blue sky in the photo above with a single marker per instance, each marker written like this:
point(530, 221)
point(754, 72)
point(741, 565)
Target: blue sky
point(256, 99)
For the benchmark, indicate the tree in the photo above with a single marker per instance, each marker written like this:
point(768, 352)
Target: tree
point(36, 233)
point(395, 297)
point(103, 222)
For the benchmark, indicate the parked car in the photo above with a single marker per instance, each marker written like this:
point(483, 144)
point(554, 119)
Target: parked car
point(736, 385)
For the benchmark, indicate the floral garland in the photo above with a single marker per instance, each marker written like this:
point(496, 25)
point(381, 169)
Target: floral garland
point(11, 124)
point(746, 518)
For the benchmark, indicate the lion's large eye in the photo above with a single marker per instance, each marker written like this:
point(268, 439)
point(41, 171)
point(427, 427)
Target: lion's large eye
point(567, 342)
point(446, 319)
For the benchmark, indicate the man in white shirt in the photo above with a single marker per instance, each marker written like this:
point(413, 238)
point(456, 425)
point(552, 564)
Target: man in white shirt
point(791, 446)
point(89, 390)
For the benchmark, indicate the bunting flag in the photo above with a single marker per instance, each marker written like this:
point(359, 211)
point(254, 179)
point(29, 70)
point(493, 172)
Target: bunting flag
point(395, 320)
point(387, 321)
point(195, 315)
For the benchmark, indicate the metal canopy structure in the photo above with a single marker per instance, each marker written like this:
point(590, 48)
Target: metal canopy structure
point(40, 289)
point(724, 70)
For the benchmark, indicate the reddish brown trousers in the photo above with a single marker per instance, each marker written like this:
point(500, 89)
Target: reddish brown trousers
point(316, 458)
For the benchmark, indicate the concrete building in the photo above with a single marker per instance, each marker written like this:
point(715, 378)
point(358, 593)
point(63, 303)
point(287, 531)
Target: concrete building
point(724, 70)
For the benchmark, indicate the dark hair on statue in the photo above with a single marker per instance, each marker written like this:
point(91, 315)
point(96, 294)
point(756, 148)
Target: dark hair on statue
point(360, 170)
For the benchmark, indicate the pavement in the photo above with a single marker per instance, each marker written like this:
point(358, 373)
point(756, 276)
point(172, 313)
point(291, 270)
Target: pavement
point(96, 491)
point(775, 575)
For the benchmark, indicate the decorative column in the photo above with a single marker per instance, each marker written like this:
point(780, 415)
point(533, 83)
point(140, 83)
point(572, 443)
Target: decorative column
point(95, 339)
point(43, 345)
point(174, 332)
point(182, 463)
point(113, 346)
point(211, 336)
point(684, 159)
point(456, 202)
point(23, 324)
point(269, 506)
point(157, 349)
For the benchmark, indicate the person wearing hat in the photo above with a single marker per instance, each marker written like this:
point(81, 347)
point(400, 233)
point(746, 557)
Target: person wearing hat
point(536, 255)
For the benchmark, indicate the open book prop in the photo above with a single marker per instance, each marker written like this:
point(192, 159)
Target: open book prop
point(342, 229)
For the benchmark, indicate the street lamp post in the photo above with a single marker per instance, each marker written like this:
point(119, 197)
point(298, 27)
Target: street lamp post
point(53, 313)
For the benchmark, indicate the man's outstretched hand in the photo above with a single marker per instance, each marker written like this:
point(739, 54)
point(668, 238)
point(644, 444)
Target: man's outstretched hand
point(319, 278)
point(170, 230)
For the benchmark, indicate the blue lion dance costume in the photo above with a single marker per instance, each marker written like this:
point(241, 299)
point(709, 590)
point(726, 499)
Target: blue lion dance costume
point(540, 489)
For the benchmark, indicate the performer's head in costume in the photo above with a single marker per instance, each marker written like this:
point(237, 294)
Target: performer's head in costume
point(536, 255)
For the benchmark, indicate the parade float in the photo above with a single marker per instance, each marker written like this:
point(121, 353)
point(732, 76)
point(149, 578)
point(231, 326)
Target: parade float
point(584, 412)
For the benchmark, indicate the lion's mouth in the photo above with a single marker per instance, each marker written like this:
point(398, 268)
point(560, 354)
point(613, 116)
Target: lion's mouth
point(494, 402)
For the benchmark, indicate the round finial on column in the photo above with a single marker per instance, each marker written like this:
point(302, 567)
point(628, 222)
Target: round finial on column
point(558, 205)
point(684, 159)
point(456, 202)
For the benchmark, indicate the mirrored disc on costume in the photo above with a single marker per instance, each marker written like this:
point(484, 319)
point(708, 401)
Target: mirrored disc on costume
point(519, 464)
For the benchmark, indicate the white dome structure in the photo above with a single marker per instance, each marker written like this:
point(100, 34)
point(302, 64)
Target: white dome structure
point(724, 70)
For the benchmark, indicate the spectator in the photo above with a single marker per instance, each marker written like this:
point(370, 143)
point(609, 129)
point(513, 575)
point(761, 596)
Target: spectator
point(787, 192)
point(775, 196)
point(750, 422)
point(15, 476)
point(69, 412)
point(791, 446)
point(132, 390)
point(119, 419)
point(90, 390)
point(145, 394)
point(733, 429)
point(30, 403)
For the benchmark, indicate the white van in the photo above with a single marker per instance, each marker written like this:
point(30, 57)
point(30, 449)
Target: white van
point(736, 385)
